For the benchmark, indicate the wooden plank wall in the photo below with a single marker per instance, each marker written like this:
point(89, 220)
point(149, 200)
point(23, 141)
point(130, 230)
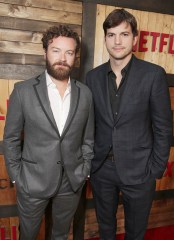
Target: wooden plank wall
point(21, 57)
point(22, 23)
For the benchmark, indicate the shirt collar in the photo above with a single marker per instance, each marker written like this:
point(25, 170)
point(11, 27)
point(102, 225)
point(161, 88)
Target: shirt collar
point(124, 70)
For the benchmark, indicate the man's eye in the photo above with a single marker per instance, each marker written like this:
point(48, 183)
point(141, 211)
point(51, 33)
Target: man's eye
point(110, 35)
point(125, 34)
point(70, 53)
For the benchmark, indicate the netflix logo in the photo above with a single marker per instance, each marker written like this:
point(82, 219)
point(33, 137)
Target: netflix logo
point(169, 172)
point(156, 41)
point(2, 116)
point(13, 233)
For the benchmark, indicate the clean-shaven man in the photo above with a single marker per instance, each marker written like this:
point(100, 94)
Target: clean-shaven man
point(133, 129)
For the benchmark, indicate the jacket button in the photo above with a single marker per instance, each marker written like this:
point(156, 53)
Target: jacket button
point(58, 162)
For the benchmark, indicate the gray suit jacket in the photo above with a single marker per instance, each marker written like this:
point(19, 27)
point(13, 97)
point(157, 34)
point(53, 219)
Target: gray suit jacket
point(36, 165)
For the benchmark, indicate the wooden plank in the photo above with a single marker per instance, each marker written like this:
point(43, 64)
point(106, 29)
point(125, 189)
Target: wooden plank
point(32, 25)
point(169, 66)
point(162, 213)
point(143, 26)
point(7, 190)
point(5, 91)
point(151, 24)
point(5, 223)
point(24, 59)
point(99, 36)
point(163, 56)
point(171, 90)
point(14, 223)
point(21, 12)
point(3, 105)
point(18, 35)
point(21, 72)
point(69, 6)
point(105, 56)
point(3, 96)
point(21, 47)
point(157, 28)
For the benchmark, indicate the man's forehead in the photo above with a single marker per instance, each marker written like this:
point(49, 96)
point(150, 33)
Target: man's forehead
point(124, 26)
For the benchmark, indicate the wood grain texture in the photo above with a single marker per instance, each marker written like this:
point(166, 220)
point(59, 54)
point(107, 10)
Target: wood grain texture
point(21, 59)
point(21, 72)
point(31, 25)
point(42, 14)
point(66, 5)
point(160, 6)
point(21, 47)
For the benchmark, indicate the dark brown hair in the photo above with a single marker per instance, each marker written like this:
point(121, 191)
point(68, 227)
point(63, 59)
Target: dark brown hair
point(57, 31)
point(116, 17)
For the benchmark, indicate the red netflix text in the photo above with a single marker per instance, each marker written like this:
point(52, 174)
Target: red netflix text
point(155, 46)
point(13, 233)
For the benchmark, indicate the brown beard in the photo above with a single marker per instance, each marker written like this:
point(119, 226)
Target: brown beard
point(59, 73)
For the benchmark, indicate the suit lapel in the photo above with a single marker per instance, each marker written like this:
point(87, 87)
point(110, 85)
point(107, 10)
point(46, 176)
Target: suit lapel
point(42, 94)
point(129, 89)
point(105, 94)
point(75, 95)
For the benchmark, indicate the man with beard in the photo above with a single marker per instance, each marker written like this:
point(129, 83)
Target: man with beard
point(54, 113)
point(133, 130)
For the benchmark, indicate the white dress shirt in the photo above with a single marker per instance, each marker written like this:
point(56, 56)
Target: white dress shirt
point(60, 106)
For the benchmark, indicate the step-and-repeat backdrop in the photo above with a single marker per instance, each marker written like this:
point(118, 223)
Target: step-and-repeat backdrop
point(156, 44)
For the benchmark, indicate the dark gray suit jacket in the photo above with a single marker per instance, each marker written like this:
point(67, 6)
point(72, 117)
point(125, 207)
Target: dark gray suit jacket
point(36, 167)
point(141, 134)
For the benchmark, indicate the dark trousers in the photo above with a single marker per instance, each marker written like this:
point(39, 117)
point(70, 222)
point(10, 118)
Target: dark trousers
point(31, 211)
point(137, 202)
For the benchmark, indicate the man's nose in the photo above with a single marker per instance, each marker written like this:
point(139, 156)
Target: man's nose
point(63, 57)
point(117, 39)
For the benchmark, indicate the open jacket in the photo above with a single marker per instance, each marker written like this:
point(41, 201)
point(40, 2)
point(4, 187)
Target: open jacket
point(141, 134)
point(36, 167)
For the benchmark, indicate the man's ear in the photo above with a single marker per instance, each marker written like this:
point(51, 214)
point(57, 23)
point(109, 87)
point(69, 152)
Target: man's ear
point(135, 40)
point(45, 54)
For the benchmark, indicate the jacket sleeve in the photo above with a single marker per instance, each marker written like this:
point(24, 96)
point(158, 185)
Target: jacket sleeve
point(12, 135)
point(160, 109)
point(88, 139)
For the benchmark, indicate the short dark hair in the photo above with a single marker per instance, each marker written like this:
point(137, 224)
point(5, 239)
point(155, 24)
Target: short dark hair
point(116, 17)
point(57, 31)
